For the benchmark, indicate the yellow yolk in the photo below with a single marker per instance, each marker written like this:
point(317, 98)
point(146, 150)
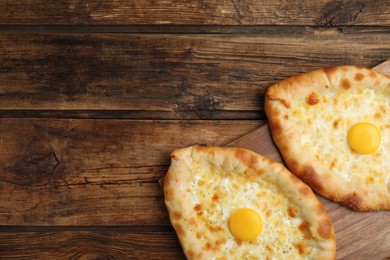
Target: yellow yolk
point(364, 138)
point(245, 224)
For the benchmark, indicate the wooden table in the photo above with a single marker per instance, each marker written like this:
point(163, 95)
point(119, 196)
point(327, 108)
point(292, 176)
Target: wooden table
point(94, 95)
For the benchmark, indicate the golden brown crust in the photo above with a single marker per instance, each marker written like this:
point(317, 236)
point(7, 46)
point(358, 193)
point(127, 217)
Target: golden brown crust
point(203, 239)
point(325, 103)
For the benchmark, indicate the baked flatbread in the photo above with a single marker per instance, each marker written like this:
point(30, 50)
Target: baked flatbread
point(214, 195)
point(332, 127)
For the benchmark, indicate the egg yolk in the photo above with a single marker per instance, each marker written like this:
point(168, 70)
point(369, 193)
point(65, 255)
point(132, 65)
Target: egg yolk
point(364, 138)
point(245, 224)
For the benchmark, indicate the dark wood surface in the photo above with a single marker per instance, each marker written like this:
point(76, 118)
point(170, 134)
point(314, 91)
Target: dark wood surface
point(94, 95)
point(195, 12)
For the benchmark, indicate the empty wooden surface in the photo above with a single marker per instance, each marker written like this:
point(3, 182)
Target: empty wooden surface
point(94, 95)
point(208, 12)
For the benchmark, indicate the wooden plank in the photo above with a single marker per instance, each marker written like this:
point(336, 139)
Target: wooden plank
point(103, 244)
point(95, 172)
point(192, 29)
point(364, 235)
point(195, 12)
point(135, 114)
point(176, 76)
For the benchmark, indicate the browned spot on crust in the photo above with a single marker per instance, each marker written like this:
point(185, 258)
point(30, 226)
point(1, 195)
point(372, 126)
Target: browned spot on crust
point(325, 229)
point(359, 76)
point(215, 197)
point(215, 228)
point(201, 182)
point(179, 230)
point(304, 227)
point(305, 191)
point(333, 163)
point(336, 123)
point(300, 248)
point(385, 126)
point(197, 207)
point(176, 215)
point(174, 156)
point(168, 192)
point(268, 213)
point(190, 254)
point(292, 212)
point(372, 74)
point(353, 201)
point(378, 116)
point(329, 70)
point(312, 99)
point(247, 158)
point(260, 172)
point(345, 83)
point(285, 117)
point(293, 167)
point(208, 246)
point(326, 86)
point(276, 126)
point(370, 179)
point(198, 210)
point(309, 176)
point(219, 241)
point(199, 235)
point(239, 242)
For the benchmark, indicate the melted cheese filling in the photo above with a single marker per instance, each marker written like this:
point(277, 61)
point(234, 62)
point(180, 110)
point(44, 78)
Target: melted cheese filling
point(329, 122)
point(217, 195)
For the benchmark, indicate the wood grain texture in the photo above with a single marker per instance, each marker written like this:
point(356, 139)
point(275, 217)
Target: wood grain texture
point(359, 235)
point(193, 29)
point(95, 172)
point(81, 188)
point(235, 12)
point(259, 141)
point(174, 77)
point(103, 244)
